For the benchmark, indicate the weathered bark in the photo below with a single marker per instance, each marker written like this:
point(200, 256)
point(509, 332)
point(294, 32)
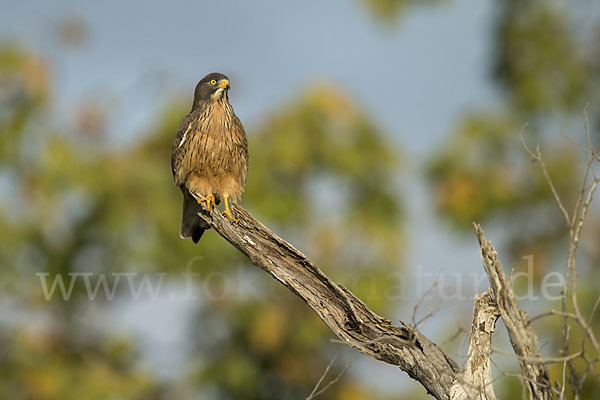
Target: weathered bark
point(475, 381)
point(522, 336)
point(359, 327)
point(347, 316)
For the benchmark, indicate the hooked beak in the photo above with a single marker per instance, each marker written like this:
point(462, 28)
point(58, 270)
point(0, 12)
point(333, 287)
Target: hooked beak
point(223, 84)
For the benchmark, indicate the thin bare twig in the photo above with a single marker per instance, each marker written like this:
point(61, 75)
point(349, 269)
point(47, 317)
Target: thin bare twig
point(593, 310)
point(575, 223)
point(540, 360)
point(525, 380)
point(455, 335)
point(431, 311)
point(588, 138)
point(537, 157)
point(316, 391)
point(550, 313)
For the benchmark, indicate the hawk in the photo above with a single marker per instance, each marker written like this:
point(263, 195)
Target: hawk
point(209, 158)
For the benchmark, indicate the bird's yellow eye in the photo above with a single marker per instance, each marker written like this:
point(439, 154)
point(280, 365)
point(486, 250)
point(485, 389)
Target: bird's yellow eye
point(213, 82)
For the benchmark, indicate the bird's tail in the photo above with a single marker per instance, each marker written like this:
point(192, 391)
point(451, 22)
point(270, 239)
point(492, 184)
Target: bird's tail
point(192, 226)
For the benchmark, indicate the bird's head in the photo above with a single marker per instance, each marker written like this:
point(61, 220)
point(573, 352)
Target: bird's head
point(212, 87)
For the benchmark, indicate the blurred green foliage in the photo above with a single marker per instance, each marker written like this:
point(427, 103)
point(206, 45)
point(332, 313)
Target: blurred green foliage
point(546, 75)
point(390, 11)
point(47, 365)
point(323, 137)
point(84, 205)
point(545, 66)
point(539, 57)
point(483, 170)
point(321, 174)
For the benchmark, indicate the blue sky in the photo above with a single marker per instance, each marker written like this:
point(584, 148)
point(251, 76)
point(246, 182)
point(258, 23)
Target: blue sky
point(415, 78)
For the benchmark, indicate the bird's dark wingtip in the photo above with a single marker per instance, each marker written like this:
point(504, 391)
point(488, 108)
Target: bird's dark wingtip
point(197, 234)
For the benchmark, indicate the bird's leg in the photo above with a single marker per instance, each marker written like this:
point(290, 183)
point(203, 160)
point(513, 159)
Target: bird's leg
point(227, 212)
point(208, 199)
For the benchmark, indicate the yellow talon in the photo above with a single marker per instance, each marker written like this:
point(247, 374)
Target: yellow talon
point(208, 200)
point(227, 212)
point(230, 216)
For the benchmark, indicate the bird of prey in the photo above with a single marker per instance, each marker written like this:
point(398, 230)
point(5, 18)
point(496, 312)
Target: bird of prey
point(209, 158)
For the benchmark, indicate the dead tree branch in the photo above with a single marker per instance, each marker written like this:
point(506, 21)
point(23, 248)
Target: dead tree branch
point(522, 336)
point(475, 381)
point(404, 346)
point(347, 316)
